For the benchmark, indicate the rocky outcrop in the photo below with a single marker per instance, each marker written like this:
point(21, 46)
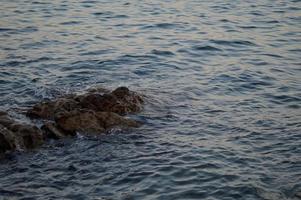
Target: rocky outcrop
point(93, 112)
point(120, 101)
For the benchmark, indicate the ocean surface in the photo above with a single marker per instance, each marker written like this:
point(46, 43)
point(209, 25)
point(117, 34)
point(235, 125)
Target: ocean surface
point(222, 80)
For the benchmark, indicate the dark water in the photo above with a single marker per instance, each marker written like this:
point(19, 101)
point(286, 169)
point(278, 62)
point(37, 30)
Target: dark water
point(222, 80)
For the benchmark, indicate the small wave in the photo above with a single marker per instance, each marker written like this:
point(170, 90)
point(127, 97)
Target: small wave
point(248, 27)
point(17, 63)
point(28, 29)
point(103, 13)
point(109, 15)
point(283, 99)
point(206, 48)
point(97, 52)
point(70, 23)
point(6, 29)
point(160, 26)
point(233, 43)
point(162, 53)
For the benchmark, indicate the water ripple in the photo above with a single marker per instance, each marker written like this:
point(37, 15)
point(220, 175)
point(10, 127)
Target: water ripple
point(222, 87)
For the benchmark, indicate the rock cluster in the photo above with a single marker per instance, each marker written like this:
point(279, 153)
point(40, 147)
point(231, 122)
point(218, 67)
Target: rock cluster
point(91, 113)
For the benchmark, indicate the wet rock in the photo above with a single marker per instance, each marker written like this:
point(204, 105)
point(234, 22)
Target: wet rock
point(47, 110)
point(15, 135)
point(112, 120)
point(51, 131)
point(27, 136)
point(2, 113)
point(5, 120)
point(79, 120)
point(93, 112)
point(129, 100)
point(7, 140)
point(120, 101)
point(90, 122)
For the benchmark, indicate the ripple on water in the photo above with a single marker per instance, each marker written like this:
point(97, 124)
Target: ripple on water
point(222, 89)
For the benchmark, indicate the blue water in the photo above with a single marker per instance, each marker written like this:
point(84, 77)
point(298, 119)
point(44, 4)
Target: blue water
point(222, 80)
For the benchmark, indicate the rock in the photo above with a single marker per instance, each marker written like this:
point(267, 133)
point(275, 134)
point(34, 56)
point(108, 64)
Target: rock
point(112, 120)
point(120, 101)
point(7, 140)
point(14, 135)
point(93, 112)
point(51, 131)
point(27, 136)
point(79, 120)
point(5, 120)
point(87, 121)
point(130, 101)
point(2, 113)
point(47, 110)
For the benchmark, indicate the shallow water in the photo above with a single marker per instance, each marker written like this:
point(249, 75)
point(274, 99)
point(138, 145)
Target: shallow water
point(222, 80)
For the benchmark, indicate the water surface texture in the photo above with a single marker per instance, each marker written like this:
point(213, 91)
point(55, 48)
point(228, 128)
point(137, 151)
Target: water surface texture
point(222, 81)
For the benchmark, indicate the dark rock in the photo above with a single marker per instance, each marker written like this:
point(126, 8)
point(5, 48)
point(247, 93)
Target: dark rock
point(79, 120)
point(51, 131)
point(120, 101)
point(111, 120)
point(27, 136)
point(94, 112)
point(14, 135)
point(3, 113)
point(47, 110)
point(90, 122)
point(7, 140)
point(5, 120)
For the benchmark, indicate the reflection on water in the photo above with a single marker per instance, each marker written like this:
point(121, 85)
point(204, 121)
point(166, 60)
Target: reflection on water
point(222, 80)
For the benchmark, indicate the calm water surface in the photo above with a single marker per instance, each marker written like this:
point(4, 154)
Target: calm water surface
point(222, 80)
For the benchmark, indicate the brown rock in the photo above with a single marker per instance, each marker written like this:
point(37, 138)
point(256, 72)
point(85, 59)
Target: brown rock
point(27, 136)
point(47, 110)
point(130, 101)
point(87, 121)
point(7, 140)
point(79, 120)
point(92, 113)
point(120, 101)
point(5, 120)
point(50, 130)
point(111, 120)
point(15, 134)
